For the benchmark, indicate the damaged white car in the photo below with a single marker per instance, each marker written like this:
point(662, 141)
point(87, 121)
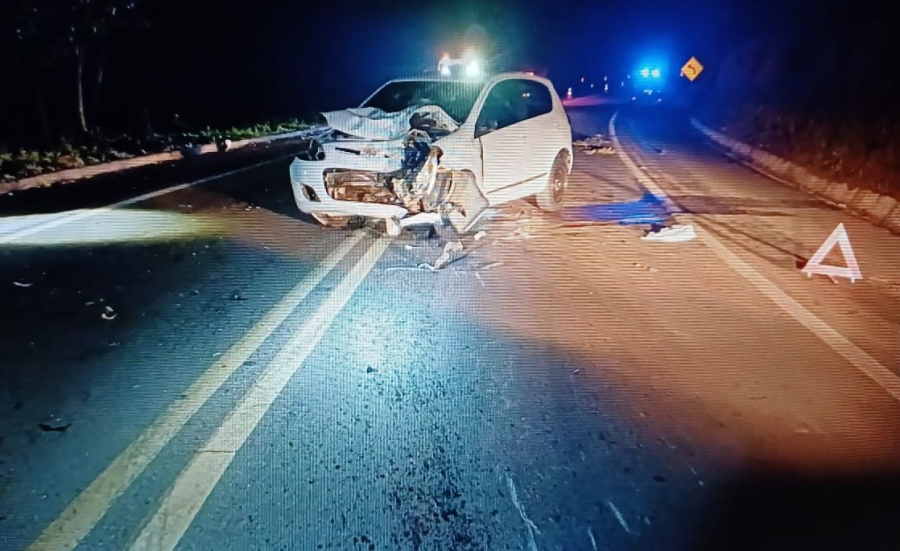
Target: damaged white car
point(438, 151)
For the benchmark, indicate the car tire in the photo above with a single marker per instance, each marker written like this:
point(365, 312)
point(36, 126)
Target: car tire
point(557, 181)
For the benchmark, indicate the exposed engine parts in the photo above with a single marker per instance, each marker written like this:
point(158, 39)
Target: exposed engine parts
point(387, 165)
point(419, 186)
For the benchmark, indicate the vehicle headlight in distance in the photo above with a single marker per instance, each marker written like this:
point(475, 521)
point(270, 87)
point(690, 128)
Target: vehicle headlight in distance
point(473, 68)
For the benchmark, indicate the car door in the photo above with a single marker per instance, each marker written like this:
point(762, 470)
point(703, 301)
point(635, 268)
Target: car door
point(502, 137)
point(541, 129)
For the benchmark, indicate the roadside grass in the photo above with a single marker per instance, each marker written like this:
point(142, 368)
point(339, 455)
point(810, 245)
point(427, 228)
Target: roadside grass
point(23, 163)
point(863, 154)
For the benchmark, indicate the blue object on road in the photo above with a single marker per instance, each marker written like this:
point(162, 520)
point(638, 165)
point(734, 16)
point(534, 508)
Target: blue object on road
point(650, 209)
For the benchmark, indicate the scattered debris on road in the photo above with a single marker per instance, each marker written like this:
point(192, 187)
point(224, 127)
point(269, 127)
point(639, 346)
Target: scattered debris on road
point(445, 258)
point(478, 277)
point(370, 369)
point(419, 268)
point(591, 537)
point(672, 234)
point(480, 235)
point(20, 284)
point(56, 425)
point(618, 515)
point(451, 249)
point(520, 233)
point(238, 297)
point(108, 313)
point(594, 145)
point(492, 265)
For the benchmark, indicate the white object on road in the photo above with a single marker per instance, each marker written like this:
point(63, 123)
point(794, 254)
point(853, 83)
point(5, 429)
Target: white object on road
point(480, 235)
point(19, 284)
point(672, 234)
point(423, 218)
point(392, 226)
point(838, 237)
point(449, 249)
point(619, 517)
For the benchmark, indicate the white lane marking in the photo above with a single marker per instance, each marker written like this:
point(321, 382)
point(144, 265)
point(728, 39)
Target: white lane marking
point(883, 376)
point(529, 525)
point(868, 365)
point(86, 510)
point(196, 482)
point(63, 218)
point(638, 174)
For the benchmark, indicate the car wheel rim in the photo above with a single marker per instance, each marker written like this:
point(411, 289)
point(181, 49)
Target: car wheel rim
point(559, 186)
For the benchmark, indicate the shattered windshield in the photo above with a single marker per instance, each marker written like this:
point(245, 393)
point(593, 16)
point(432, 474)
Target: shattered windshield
point(454, 97)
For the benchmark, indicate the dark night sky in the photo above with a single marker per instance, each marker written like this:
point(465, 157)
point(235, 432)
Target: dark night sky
point(221, 63)
point(284, 58)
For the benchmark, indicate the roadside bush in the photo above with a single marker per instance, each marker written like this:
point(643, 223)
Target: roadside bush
point(19, 164)
point(822, 106)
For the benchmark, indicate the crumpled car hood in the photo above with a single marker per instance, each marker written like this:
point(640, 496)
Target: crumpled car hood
point(374, 124)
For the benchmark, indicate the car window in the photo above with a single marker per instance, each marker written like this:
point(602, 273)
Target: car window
point(537, 97)
point(455, 98)
point(510, 102)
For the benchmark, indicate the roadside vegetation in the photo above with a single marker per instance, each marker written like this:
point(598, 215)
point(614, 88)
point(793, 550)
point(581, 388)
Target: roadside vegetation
point(16, 164)
point(59, 54)
point(825, 105)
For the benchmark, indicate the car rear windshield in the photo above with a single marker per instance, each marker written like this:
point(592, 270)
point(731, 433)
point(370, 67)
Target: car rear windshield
point(454, 97)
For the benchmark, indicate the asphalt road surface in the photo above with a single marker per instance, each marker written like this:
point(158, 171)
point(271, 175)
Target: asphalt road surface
point(203, 368)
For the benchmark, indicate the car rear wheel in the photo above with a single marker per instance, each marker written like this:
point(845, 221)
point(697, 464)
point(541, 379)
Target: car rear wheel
point(558, 180)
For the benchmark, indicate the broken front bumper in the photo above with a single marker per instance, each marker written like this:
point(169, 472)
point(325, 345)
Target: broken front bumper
point(312, 197)
point(308, 185)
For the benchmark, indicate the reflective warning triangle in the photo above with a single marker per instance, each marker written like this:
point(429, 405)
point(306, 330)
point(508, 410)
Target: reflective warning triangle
point(839, 237)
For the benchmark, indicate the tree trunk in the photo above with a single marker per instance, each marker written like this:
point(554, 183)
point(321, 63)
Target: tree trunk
point(98, 81)
point(79, 89)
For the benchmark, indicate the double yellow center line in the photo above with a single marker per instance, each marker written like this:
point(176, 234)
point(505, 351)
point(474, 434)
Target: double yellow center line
point(190, 490)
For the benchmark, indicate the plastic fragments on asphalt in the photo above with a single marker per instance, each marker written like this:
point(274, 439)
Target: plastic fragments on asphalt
point(672, 234)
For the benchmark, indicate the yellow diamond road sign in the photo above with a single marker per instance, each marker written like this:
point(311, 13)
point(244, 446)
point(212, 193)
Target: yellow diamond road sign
point(692, 68)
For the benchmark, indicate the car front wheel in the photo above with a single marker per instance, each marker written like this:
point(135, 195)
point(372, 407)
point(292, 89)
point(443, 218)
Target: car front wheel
point(558, 180)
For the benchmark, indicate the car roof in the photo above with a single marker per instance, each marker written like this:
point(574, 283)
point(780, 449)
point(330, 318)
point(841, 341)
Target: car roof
point(486, 80)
